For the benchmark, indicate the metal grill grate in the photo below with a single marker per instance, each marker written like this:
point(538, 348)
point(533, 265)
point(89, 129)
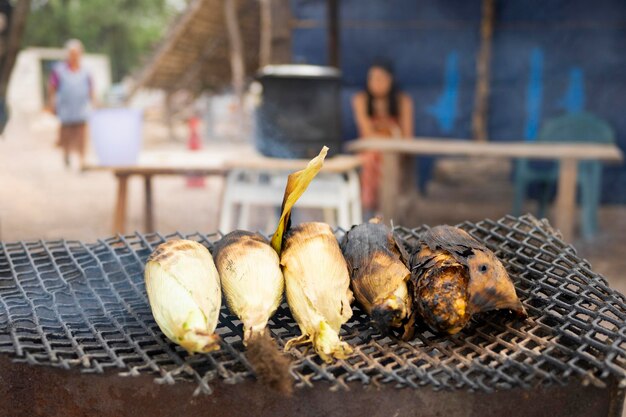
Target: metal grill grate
point(69, 304)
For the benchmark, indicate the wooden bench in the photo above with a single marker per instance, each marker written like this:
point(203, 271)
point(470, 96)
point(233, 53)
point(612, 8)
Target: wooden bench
point(567, 154)
point(341, 170)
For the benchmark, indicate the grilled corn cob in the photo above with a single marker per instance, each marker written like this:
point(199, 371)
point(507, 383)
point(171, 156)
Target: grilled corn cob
point(316, 274)
point(317, 283)
point(184, 292)
point(454, 277)
point(253, 285)
point(379, 273)
point(251, 279)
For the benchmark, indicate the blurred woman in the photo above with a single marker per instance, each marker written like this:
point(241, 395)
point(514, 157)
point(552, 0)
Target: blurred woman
point(70, 91)
point(381, 111)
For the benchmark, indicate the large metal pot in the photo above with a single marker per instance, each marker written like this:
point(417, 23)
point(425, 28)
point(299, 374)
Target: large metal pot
point(299, 111)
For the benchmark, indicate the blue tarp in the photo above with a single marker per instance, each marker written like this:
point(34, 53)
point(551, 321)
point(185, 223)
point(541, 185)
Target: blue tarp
point(548, 58)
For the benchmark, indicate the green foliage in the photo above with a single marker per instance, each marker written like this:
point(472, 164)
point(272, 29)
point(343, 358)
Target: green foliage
point(126, 30)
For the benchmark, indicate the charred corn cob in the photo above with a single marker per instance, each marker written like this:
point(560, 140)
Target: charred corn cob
point(378, 267)
point(454, 277)
point(184, 292)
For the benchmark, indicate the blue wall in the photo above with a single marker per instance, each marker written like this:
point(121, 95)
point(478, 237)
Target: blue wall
point(548, 58)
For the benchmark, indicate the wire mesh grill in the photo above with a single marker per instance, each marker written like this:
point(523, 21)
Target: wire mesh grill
point(70, 304)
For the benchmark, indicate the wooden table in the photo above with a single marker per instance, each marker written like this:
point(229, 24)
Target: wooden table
point(568, 155)
point(153, 164)
point(199, 163)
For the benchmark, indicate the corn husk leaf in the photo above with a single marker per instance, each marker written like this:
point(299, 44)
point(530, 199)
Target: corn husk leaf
point(297, 184)
point(183, 288)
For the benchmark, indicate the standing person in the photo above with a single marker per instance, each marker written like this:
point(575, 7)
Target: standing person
point(70, 91)
point(381, 111)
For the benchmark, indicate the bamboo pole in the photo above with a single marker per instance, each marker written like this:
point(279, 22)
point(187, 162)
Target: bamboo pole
point(281, 32)
point(333, 32)
point(483, 73)
point(265, 43)
point(170, 115)
point(236, 46)
point(236, 57)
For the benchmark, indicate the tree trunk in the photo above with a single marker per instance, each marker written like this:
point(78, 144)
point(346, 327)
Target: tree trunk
point(236, 46)
point(169, 116)
point(13, 38)
point(483, 73)
point(265, 43)
point(236, 56)
point(281, 32)
point(333, 32)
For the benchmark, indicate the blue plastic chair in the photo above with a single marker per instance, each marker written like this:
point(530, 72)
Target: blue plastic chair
point(575, 127)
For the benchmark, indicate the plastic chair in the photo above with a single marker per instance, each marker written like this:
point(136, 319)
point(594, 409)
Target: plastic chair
point(333, 193)
point(575, 127)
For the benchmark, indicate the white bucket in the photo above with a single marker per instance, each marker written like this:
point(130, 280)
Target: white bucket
point(116, 135)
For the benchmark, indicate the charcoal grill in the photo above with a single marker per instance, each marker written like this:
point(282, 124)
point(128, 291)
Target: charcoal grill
point(83, 308)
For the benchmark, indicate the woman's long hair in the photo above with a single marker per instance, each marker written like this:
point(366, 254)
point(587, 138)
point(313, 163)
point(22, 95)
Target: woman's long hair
point(393, 91)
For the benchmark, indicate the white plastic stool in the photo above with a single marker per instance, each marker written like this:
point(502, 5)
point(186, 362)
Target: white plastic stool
point(333, 193)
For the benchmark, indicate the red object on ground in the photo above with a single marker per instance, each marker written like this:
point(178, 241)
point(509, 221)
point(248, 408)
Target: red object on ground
point(193, 144)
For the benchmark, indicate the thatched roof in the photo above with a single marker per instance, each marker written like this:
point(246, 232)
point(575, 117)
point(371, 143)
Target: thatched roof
point(195, 52)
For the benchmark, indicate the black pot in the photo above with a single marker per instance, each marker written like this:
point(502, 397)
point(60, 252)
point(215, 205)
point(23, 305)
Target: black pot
point(299, 111)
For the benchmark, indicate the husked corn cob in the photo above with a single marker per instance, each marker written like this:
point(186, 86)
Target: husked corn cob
point(316, 275)
point(318, 293)
point(251, 277)
point(253, 285)
point(184, 292)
